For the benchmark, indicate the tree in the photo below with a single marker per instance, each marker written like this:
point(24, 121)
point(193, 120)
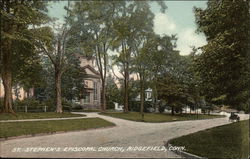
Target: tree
point(113, 93)
point(131, 27)
point(223, 64)
point(60, 45)
point(173, 92)
point(177, 84)
point(27, 72)
point(72, 81)
point(95, 21)
point(160, 57)
point(16, 19)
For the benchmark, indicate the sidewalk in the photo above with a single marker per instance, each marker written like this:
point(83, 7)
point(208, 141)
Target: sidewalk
point(23, 120)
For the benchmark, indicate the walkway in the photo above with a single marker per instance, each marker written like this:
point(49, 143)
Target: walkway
point(125, 134)
point(22, 120)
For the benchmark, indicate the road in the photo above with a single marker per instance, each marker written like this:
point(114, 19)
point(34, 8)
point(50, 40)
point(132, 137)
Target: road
point(97, 143)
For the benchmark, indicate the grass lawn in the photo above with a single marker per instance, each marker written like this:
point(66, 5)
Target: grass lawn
point(158, 117)
point(228, 141)
point(43, 115)
point(35, 127)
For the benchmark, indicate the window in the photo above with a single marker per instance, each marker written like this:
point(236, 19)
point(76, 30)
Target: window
point(149, 95)
point(86, 98)
point(95, 91)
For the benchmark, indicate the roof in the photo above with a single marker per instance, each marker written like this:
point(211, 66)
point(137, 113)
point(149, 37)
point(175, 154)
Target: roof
point(91, 69)
point(148, 90)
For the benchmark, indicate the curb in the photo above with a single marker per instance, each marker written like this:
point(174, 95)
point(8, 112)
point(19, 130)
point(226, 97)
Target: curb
point(45, 119)
point(50, 133)
point(183, 154)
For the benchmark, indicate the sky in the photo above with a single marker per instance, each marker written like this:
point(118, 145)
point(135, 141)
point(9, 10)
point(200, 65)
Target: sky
point(178, 19)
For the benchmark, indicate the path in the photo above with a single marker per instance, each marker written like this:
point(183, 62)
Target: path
point(21, 120)
point(125, 134)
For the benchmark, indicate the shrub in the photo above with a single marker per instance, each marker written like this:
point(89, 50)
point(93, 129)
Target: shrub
point(161, 108)
point(31, 103)
point(67, 105)
point(136, 106)
point(110, 104)
point(50, 103)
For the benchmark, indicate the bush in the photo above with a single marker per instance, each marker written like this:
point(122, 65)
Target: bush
point(161, 108)
point(67, 106)
point(136, 106)
point(110, 104)
point(31, 103)
point(50, 103)
point(34, 105)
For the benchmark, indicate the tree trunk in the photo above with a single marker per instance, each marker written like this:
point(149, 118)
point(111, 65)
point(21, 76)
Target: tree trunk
point(7, 76)
point(58, 91)
point(142, 100)
point(28, 93)
point(142, 94)
point(7, 83)
point(155, 96)
point(172, 110)
point(103, 103)
point(142, 97)
point(126, 96)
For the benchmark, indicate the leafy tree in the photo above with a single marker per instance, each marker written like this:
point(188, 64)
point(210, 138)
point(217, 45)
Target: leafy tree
point(72, 81)
point(173, 92)
point(223, 65)
point(29, 72)
point(113, 93)
point(179, 85)
point(17, 17)
point(94, 19)
point(60, 46)
point(159, 57)
point(131, 27)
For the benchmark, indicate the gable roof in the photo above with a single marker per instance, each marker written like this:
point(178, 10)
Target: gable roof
point(91, 69)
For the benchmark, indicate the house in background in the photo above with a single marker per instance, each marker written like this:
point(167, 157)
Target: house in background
point(148, 95)
point(92, 94)
point(17, 92)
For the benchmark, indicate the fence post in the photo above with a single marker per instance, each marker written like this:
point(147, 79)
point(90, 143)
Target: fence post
point(26, 109)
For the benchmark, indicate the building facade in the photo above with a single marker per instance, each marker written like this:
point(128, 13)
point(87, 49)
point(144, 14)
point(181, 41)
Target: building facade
point(92, 83)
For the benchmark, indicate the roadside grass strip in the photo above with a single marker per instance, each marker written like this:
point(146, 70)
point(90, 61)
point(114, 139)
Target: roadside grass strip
point(227, 141)
point(37, 127)
point(42, 115)
point(158, 117)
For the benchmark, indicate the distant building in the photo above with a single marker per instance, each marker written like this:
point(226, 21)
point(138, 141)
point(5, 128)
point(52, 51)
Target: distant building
point(118, 107)
point(17, 92)
point(148, 95)
point(225, 110)
point(92, 94)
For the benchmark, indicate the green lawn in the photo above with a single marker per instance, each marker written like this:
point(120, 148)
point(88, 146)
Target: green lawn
point(228, 141)
point(158, 117)
point(35, 127)
point(43, 115)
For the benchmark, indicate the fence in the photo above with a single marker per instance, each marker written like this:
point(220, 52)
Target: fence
point(31, 109)
point(39, 109)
